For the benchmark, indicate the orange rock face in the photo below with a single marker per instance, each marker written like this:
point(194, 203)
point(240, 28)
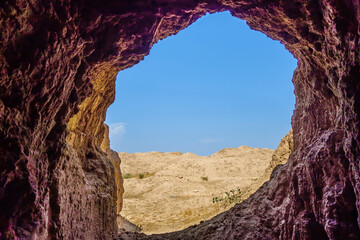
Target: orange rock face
point(58, 61)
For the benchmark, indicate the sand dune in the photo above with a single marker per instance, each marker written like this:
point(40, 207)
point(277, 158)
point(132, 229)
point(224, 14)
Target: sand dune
point(177, 189)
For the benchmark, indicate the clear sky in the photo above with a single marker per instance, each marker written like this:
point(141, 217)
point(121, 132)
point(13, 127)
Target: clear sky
point(215, 84)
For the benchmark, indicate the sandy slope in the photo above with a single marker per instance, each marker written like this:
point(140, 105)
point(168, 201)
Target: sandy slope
point(173, 195)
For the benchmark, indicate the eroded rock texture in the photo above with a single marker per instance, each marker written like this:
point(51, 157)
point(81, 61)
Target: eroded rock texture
point(59, 58)
point(116, 161)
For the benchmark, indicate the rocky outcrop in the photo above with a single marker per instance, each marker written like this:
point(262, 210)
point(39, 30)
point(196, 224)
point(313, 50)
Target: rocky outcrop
point(58, 61)
point(278, 158)
point(282, 152)
point(116, 161)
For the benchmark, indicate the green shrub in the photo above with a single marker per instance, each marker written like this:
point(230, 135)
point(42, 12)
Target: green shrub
point(205, 178)
point(138, 175)
point(127, 176)
point(230, 198)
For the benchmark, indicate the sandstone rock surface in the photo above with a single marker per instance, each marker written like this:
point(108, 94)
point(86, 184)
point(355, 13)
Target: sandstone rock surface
point(282, 152)
point(56, 182)
point(116, 161)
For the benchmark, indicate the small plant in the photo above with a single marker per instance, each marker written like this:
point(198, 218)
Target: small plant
point(138, 228)
point(232, 197)
point(205, 179)
point(138, 175)
point(127, 176)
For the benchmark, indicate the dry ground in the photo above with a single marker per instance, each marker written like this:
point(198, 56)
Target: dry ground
point(175, 190)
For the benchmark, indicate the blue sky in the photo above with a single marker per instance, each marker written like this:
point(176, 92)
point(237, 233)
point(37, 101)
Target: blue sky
point(215, 84)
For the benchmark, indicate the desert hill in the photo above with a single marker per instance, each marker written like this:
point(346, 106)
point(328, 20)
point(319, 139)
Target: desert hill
point(170, 191)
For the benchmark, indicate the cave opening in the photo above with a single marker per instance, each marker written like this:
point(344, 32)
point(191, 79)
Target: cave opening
point(192, 103)
point(59, 63)
point(191, 97)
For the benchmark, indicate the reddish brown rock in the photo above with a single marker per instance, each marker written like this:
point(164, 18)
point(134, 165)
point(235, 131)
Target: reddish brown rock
point(56, 182)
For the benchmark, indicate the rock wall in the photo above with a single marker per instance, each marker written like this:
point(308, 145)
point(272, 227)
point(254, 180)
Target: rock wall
point(59, 58)
point(282, 152)
point(115, 161)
